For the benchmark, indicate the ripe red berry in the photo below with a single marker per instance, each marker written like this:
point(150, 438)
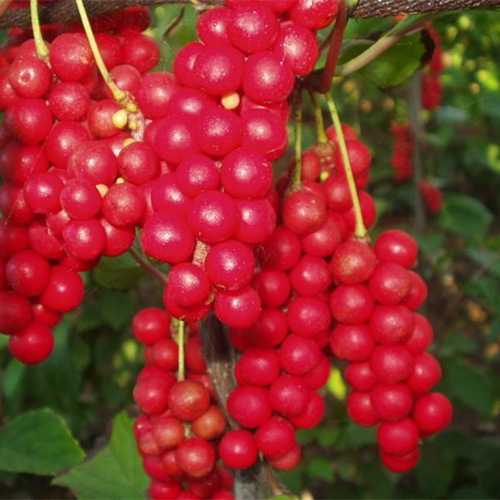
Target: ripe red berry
point(402, 463)
point(238, 450)
point(361, 410)
point(64, 291)
point(426, 374)
point(398, 438)
point(352, 304)
point(15, 312)
point(258, 366)
point(392, 364)
point(353, 263)
point(275, 438)
point(390, 284)
point(195, 457)
point(188, 285)
point(304, 211)
point(397, 247)
point(249, 406)
point(432, 413)
point(299, 355)
point(392, 402)
point(150, 325)
point(27, 273)
point(188, 400)
point(33, 344)
point(391, 324)
point(238, 309)
point(289, 395)
point(352, 342)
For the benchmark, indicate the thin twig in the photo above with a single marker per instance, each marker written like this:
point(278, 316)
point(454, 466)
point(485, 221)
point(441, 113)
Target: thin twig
point(156, 273)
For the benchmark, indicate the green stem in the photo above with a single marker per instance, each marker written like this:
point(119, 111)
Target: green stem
point(320, 123)
point(297, 171)
point(360, 229)
point(118, 94)
point(181, 331)
point(382, 44)
point(42, 51)
point(147, 265)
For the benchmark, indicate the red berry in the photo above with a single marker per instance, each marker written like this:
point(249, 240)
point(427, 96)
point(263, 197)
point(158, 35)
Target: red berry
point(398, 438)
point(361, 410)
point(392, 364)
point(397, 247)
point(275, 438)
point(238, 450)
point(249, 406)
point(33, 344)
point(392, 402)
point(353, 263)
point(352, 342)
point(195, 457)
point(432, 413)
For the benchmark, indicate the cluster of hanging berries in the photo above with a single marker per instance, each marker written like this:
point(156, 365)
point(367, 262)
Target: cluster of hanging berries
point(382, 337)
point(402, 152)
point(186, 157)
point(179, 430)
point(72, 181)
point(432, 89)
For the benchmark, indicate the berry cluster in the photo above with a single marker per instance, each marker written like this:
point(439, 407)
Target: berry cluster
point(384, 340)
point(432, 195)
point(177, 433)
point(285, 354)
point(72, 180)
point(215, 204)
point(432, 89)
point(402, 153)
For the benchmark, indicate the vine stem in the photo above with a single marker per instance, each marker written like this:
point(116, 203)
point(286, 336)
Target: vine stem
point(42, 51)
point(118, 94)
point(320, 123)
point(384, 43)
point(334, 50)
point(181, 333)
point(147, 265)
point(360, 229)
point(297, 171)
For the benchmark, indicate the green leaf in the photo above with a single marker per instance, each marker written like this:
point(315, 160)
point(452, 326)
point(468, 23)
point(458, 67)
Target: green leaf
point(395, 65)
point(118, 273)
point(470, 386)
point(38, 442)
point(465, 216)
point(435, 473)
point(320, 468)
point(458, 343)
point(114, 473)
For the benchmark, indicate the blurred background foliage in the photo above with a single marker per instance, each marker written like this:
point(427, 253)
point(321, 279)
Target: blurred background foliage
point(89, 378)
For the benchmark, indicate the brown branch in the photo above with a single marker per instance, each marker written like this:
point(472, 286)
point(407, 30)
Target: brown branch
point(65, 11)
point(259, 481)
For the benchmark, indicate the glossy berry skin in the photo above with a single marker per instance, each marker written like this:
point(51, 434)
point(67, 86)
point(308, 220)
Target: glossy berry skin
point(218, 131)
point(299, 355)
point(80, 199)
point(397, 247)
point(398, 438)
point(69, 101)
point(252, 27)
point(391, 324)
point(392, 364)
point(352, 342)
point(249, 406)
point(360, 376)
point(238, 450)
point(64, 291)
point(30, 120)
point(151, 394)
point(188, 400)
point(432, 413)
point(195, 457)
point(310, 276)
point(27, 273)
point(167, 237)
point(353, 263)
point(246, 175)
point(15, 312)
point(402, 463)
point(289, 461)
point(421, 335)
point(138, 163)
point(29, 76)
point(71, 57)
point(238, 309)
point(361, 410)
point(41, 192)
point(33, 344)
point(258, 366)
point(197, 174)
point(230, 265)
point(273, 287)
point(298, 47)
point(212, 26)
point(175, 139)
point(352, 304)
point(303, 211)
point(390, 284)
point(155, 93)
point(218, 70)
point(392, 402)
point(166, 196)
point(210, 425)
point(150, 325)
point(323, 241)
point(275, 438)
point(308, 316)
point(418, 292)
point(212, 216)
point(314, 15)
point(312, 415)
point(188, 285)
point(257, 221)
point(289, 395)
point(266, 79)
point(426, 374)
point(84, 240)
point(282, 250)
